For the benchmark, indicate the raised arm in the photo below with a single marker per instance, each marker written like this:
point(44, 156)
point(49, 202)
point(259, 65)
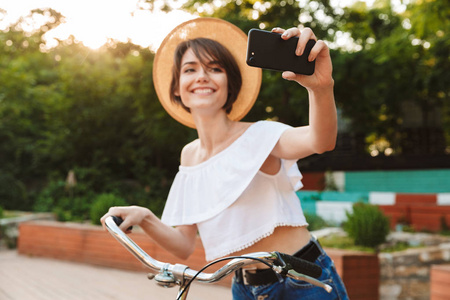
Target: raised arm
point(320, 135)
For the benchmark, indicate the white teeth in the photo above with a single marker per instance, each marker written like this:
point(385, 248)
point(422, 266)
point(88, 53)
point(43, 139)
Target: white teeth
point(203, 91)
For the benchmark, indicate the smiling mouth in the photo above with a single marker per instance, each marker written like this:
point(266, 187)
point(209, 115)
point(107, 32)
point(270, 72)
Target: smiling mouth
point(203, 91)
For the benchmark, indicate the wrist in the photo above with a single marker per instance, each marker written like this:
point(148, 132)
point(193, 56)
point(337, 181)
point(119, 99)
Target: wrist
point(145, 215)
point(323, 91)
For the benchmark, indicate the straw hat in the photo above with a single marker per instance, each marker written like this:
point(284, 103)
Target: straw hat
point(230, 36)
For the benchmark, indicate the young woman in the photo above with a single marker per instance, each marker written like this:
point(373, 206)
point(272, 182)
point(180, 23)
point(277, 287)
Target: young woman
point(236, 183)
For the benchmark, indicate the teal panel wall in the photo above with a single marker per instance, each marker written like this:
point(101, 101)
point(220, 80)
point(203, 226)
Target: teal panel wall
point(414, 181)
point(308, 201)
point(308, 198)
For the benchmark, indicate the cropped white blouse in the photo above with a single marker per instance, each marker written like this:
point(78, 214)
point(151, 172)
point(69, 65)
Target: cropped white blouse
point(232, 202)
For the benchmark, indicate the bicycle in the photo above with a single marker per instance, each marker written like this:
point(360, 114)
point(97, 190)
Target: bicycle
point(170, 275)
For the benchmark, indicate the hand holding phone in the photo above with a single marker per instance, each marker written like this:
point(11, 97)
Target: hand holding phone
point(268, 50)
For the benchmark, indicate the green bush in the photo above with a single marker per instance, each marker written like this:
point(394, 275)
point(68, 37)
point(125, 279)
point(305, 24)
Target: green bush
point(315, 222)
point(13, 193)
point(367, 225)
point(101, 205)
point(1, 212)
point(68, 203)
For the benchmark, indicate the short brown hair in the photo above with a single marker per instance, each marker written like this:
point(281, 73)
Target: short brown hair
point(206, 48)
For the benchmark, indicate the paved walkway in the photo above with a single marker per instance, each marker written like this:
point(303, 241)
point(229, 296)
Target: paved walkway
point(27, 278)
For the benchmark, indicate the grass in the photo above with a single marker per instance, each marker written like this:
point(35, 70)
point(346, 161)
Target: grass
point(343, 242)
point(347, 243)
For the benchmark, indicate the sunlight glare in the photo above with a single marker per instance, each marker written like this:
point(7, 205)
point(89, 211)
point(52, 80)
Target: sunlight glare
point(94, 22)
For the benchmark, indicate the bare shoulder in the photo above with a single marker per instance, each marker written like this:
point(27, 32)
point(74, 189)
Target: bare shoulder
point(188, 153)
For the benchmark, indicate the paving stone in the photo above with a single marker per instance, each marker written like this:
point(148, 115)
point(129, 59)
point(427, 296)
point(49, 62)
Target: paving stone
point(29, 278)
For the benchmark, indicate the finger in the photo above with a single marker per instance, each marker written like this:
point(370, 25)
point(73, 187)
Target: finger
point(291, 32)
point(306, 35)
point(317, 49)
point(278, 30)
point(103, 219)
point(126, 226)
point(288, 75)
point(112, 211)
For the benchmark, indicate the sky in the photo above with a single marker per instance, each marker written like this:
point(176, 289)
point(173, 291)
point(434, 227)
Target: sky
point(94, 21)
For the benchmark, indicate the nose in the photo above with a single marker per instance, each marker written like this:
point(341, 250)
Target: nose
point(202, 75)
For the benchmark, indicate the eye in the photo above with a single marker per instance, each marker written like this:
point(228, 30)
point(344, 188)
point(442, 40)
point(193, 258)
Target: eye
point(216, 69)
point(188, 70)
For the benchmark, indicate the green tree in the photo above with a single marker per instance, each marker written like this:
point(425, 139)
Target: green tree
point(93, 111)
point(96, 111)
point(401, 60)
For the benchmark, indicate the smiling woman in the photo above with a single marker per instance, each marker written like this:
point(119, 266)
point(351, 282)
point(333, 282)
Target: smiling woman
point(95, 22)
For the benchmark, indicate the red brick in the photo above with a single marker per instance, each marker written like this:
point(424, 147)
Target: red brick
point(439, 282)
point(314, 181)
point(416, 199)
point(359, 271)
point(90, 244)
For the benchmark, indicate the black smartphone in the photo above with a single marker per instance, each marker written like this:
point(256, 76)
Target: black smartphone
point(268, 50)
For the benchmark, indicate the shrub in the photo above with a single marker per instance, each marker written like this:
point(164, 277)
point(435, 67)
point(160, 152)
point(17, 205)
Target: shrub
point(13, 193)
point(367, 225)
point(68, 203)
point(315, 222)
point(101, 205)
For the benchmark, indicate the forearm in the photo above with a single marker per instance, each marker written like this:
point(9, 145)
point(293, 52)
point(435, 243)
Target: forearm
point(322, 119)
point(179, 241)
point(320, 134)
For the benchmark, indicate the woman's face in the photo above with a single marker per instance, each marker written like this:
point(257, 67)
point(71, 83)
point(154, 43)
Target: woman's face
point(203, 86)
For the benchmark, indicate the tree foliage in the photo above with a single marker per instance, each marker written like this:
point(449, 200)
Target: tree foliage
point(402, 62)
point(96, 111)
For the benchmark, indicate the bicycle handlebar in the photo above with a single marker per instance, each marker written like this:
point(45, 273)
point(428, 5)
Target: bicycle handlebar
point(169, 275)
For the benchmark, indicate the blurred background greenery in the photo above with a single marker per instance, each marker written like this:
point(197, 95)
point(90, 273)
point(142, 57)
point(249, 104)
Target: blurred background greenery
point(94, 114)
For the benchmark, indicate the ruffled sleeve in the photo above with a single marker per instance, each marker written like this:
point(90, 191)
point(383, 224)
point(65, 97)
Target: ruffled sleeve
point(201, 192)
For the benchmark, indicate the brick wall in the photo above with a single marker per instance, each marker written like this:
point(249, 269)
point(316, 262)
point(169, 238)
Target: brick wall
point(359, 271)
point(92, 245)
point(440, 282)
point(421, 211)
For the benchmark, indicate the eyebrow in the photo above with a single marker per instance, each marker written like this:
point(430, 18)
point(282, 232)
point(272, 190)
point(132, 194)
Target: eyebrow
point(213, 62)
point(190, 63)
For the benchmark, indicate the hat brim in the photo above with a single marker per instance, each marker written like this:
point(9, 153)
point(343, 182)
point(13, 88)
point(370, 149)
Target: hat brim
point(230, 36)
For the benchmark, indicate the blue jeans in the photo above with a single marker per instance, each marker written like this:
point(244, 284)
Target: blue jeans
point(289, 289)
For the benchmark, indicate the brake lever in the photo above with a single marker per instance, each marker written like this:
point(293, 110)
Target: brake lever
point(295, 275)
point(302, 266)
point(288, 269)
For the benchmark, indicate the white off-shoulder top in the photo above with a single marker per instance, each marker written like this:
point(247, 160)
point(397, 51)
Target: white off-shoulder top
point(232, 202)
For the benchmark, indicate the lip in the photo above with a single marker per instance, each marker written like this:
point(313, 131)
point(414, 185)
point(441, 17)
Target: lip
point(203, 91)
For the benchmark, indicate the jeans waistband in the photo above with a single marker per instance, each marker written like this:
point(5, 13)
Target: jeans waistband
point(310, 252)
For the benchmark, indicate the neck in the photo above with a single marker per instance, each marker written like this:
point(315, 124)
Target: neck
point(214, 134)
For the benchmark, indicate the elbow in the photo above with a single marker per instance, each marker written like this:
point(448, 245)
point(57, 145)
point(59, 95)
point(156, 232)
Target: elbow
point(185, 252)
point(331, 146)
point(184, 255)
point(325, 147)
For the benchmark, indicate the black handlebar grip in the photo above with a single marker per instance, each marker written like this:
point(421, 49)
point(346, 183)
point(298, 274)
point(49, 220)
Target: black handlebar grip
point(300, 265)
point(118, 221)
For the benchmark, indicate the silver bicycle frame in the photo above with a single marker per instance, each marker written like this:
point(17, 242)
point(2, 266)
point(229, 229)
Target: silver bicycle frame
point(169, 275)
